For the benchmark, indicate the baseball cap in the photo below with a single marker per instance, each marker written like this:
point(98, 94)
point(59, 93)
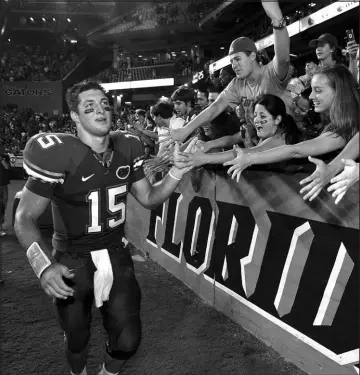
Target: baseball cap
point(242, 44)
point(324, 38)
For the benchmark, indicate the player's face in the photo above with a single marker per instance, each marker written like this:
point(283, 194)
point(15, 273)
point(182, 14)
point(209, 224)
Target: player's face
point(264, 122)
point(94, 112)
point(241, 64)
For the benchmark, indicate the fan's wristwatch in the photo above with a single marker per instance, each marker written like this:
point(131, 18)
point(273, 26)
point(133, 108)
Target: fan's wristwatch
point(279, 25)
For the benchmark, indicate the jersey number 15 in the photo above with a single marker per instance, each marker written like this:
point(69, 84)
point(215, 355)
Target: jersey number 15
point(115, 206)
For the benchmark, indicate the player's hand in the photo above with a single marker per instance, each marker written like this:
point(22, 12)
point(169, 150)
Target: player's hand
point(272, 9)
point(241, 162)
point(342, 182)
point(315, 182)
point(352, 48)
point(182, 160)
point(52, 281)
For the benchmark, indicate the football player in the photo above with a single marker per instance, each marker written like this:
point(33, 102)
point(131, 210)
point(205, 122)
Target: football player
point(87, 179)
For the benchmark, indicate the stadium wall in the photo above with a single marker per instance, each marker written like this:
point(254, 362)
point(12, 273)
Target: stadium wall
point(284, 269)
point(44, 96)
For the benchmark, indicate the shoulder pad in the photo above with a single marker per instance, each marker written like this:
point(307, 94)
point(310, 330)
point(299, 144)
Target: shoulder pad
point(130, 146)
point(121, 139)
point(47, 155)
point(128, 135)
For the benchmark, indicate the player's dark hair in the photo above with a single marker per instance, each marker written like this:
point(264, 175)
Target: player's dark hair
point(184, 94)
point(72, 93)
point(165, 110)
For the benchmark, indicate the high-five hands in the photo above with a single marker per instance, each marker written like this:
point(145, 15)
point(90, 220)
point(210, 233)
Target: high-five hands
point(347, 178)
point(182, 159)
point(319, 179)
point(241, 162)
point(178, 135)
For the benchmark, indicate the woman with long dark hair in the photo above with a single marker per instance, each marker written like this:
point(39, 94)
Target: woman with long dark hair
point(334, 94)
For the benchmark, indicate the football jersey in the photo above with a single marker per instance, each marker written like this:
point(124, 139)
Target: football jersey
point(88, 199)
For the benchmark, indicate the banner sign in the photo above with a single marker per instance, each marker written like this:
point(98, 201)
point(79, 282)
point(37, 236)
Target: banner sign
point(44, 96)
point(283, 268)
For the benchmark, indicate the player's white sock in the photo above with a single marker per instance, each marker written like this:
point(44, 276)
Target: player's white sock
point(83, 372)
point(105, 372)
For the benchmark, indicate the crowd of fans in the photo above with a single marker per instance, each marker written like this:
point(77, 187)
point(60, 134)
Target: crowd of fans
point(280, 119)
point(17, 126)
point(134, 68)
point(20, 62)
point(176, 12)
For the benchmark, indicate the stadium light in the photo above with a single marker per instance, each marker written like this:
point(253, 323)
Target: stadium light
point(43, 19)
point(31, 19)
point(138, 84)
point(69, 20)
point(54, 19)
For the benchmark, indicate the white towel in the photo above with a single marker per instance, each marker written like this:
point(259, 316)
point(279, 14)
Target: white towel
point(103, 276)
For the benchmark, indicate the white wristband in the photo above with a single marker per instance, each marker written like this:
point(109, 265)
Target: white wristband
point(37, 259)
point(173, 176)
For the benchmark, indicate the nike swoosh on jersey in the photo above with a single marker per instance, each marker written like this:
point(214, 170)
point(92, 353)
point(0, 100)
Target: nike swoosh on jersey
point(83, 179)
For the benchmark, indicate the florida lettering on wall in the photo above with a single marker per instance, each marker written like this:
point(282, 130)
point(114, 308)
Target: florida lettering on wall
point(301, 274)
